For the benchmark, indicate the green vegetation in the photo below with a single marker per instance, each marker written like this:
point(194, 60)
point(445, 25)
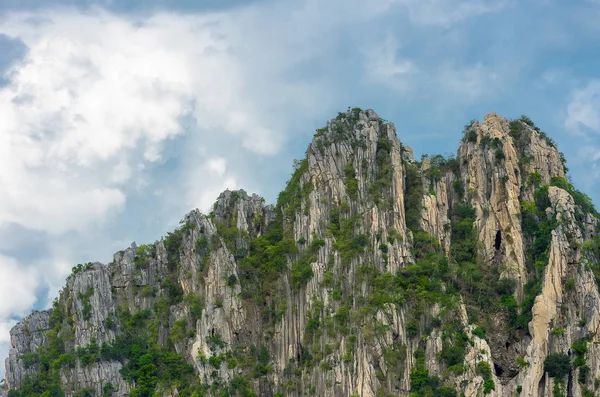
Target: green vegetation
point(479, 332)
point(143, 255)
point(108, 389)
point(413, 197)
point(580, 348)
point(485, 371)
point(382, 184)
point(535, 179)
point(273, 253)
point(537, 232)
point(558, 365)
point(268, 258)
point(48, 359)
point(347, 242)
point(178, 331)
point(86, 310)
point(202, 245)
point(521, 362)
point(519, 132)
point(471, 136)
point(173, 243)
point(80, 268)
point(421, 384)
point(341, 129)
point(581, 199)
point(478, 281)
point(296, 191)
point(320, 132)
point(591, 250)
point(351, 182)
point(440, 165)
point(146, 362)
point(499, 155)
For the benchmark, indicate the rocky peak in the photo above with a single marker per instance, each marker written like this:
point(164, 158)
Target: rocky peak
point(502, 163)
point(238, 209)
point(355, 166)
point(373, 275)
point(536, 151)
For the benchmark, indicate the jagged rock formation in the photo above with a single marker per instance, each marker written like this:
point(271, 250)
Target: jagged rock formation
point(374, 275)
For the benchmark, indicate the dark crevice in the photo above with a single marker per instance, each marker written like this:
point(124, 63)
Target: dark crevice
point(498, 241)
point(498, 369)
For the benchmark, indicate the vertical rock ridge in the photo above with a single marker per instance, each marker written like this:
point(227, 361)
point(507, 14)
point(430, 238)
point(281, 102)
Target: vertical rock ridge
point(356, 282)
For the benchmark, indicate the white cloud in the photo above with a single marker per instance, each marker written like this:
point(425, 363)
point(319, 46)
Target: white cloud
point(94, 88)
point(582, 118)
point(74, 111)
point(17, 295)
point(383, 66)
point(216, 179)
point(218, 165)
point(92, 108)
point(97, 95)
point(87, 113)
point(583, 110)
point(17, 287)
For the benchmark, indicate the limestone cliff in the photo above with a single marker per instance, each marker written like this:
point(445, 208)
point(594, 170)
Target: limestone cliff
point(373, 275)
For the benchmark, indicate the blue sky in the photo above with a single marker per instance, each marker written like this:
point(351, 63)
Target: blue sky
point(117, 117)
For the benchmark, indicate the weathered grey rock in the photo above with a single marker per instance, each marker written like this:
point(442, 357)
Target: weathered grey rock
point(26, 337)
point(337, 179)
point(96, 376)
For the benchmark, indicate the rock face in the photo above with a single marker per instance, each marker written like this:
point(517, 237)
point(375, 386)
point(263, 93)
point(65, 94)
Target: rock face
point(373, 275)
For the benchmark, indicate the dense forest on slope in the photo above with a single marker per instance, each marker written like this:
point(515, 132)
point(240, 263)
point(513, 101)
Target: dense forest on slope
point(373, 275)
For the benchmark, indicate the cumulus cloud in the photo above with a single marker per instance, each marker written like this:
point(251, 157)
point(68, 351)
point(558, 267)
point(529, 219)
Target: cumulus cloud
point(215, 179)
point(18, 286)
point(93, 90)
point(89, 111)
point(99, 102)
point(97, 95)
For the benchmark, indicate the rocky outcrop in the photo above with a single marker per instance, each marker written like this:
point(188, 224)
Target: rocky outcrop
point(26, 337)
point(373, 275)
point(490, 171)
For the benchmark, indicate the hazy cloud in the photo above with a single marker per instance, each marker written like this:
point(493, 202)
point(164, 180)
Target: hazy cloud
point(583, 109)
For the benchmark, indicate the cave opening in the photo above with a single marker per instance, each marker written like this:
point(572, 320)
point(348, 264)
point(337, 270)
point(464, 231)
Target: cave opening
point(498, 241)
point(498, 369)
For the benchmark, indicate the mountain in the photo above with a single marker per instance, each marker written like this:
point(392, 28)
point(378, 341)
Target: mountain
point(373, 275)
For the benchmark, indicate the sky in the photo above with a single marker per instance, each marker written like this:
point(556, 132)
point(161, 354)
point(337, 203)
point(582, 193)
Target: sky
point(118, 117)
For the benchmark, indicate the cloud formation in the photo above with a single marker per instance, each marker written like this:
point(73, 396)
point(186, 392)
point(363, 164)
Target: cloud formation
point(100, 103)
point(115, 124)
point(583, 109)
point(96, 97)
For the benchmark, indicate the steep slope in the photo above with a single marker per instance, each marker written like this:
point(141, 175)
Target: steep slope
point(373, 275)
